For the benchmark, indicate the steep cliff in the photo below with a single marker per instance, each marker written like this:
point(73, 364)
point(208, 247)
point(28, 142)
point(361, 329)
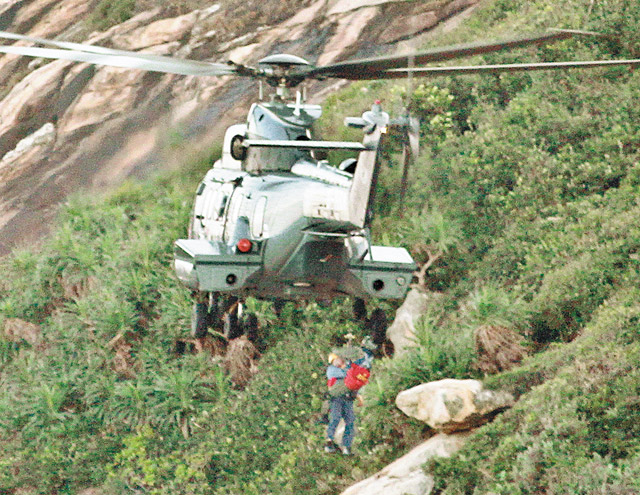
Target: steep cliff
point(66, 126)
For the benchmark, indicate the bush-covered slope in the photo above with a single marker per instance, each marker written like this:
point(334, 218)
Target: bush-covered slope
point(104, 274)
point(527, 188)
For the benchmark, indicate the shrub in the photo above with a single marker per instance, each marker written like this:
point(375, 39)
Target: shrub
point(569, 295)
point(109, 13)
point(566, 422)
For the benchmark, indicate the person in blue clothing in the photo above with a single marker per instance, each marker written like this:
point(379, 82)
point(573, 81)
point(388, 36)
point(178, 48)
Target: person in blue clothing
point(341, 400)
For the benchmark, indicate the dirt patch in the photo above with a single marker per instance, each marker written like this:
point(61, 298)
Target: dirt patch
point(497, 348)
point(240, 361)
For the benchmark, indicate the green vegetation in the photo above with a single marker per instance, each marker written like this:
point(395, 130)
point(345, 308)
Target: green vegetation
point(243, 15)
point(108, 13)
point(526, 190)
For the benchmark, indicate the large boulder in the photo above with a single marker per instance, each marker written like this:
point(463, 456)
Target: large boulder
point(452, 405)
point(343, 6)
point(402, 331)
point(405, 476)
point(28, 103)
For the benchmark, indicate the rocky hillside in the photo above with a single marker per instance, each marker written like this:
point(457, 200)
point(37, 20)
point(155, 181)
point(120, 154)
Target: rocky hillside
point(524, 204)
point(66, 126)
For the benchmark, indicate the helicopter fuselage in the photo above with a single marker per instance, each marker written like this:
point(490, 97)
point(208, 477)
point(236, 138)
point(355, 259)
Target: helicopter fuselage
point(275, 223)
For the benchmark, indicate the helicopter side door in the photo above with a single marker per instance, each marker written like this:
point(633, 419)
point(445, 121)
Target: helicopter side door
point(216, 211)
point(209, 211)
point(196, 225)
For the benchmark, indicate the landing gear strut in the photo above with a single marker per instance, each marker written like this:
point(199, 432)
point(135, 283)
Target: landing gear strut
point(201, 318)
point(376, 326)
point(359, 310)
point(232, 329)
point(225, 317)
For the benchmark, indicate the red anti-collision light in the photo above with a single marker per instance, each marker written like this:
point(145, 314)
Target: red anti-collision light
point(244, 245)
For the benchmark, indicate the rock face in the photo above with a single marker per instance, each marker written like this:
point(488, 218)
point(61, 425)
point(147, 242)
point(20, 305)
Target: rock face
point(402, 331)
point(405, 476)
point(111, 123)
point(29, 149)
point(452, 405)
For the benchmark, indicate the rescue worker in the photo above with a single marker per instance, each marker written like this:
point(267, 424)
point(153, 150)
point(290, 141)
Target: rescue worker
point(340, 405)
point(341, 399)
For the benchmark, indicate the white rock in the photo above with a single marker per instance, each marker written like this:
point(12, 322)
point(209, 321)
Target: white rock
point(347, 33)
point(137, 21)
point(450, 405)
point(211, 10)
point(405, 476)
point(32, 95)
point(343, 6)
point(402, 331)
point(44, 136)
point(306, 16)
point(158, 32)
point(57, 16)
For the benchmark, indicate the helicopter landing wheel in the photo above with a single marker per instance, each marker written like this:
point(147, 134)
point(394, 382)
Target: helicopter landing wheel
point(250, 326)
point(199, 319)
point(359, 309)
point(213, 316)
point(232, 326)
point(378, 325)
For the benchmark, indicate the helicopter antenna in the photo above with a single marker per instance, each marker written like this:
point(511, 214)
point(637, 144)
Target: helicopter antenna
point(410, 65)
point(296, 110)
point(410, 130)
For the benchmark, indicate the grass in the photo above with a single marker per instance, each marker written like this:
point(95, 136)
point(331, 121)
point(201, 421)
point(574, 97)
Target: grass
point(529, 184)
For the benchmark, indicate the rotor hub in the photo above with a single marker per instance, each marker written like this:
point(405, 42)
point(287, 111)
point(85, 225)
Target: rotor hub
point(284, 70)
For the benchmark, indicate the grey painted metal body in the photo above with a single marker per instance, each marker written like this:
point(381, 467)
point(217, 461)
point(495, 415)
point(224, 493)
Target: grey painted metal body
point(307, 221)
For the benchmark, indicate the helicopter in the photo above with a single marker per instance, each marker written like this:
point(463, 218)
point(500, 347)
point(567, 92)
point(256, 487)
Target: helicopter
point(272, 219)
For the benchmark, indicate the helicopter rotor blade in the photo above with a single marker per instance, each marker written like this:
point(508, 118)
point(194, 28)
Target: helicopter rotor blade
point(81, 47)
point(119, 58)
point(498, 68)
point(371, 68)
point(391, 67)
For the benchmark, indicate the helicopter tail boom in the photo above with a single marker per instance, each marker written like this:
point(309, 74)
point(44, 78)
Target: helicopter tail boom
point(304, 145)
point(361, 193)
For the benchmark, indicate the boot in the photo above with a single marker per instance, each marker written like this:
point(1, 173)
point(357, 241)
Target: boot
point(330, 446)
